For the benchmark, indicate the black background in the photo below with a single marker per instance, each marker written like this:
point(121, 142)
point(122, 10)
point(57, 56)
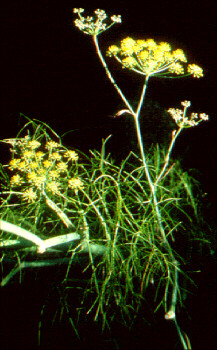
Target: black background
point(50, 71)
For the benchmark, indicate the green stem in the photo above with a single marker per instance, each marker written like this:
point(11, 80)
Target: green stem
point(110, 76)
point(59, 212)
point(138, 132)
point(175, 134)
point(141, 101)
point(171, 314)
point(184, 339)
point(140, 142)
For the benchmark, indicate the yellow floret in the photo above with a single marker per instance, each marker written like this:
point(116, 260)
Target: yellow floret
point(127, 46)
point(129, 62)
point(195, 70)
point(113, 50)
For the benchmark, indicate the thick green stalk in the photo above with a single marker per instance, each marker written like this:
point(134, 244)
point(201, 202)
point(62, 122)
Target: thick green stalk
point(138, 132)
point(140, 142)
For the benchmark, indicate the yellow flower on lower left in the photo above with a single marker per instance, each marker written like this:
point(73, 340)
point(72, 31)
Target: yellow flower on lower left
point(30, 195)
point(16, 180)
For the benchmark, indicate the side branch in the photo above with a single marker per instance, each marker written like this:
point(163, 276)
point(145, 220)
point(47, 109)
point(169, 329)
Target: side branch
point(29, 236)
point(95, 249)
point(110, 76)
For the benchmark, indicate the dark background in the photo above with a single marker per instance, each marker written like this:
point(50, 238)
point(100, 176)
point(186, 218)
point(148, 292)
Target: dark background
point(50, 71)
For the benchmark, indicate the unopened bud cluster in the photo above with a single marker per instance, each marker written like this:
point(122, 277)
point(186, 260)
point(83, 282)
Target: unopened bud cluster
point(94, 25)
point(184, 121)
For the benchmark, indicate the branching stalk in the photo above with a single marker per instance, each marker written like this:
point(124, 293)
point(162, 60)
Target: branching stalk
point(40, 243)
point(175, 134)
point(59, 212)
point(110, 76)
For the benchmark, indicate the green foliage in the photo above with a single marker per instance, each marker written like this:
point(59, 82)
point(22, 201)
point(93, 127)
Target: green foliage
point(113, 209)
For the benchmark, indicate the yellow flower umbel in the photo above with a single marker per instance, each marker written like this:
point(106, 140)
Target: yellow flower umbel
point(94, 25)
point(149, 58)
point(30, 195)
point(44, 171)
point(75, 184)
point(39, 168)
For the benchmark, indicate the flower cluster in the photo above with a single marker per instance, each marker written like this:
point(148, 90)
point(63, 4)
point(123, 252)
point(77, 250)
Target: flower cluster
point(184, 121)
point(94, 25)
point(150, 58)
point(42, 167)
